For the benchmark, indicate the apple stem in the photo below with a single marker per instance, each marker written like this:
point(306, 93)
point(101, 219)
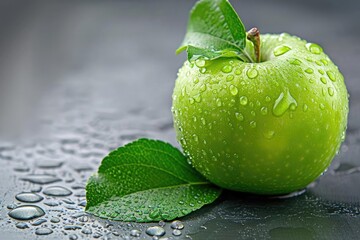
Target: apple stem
point(254, 36)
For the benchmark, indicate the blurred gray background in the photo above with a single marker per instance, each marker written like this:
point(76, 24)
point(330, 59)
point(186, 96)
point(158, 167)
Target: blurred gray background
point(80, 78)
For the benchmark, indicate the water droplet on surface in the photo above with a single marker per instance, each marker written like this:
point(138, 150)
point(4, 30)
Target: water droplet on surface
point(321, 71)
point(322, 106)
point(196, 80)
point(29, 197)
point(155, 231)
point(324, 61)
point(331, 75)
point(283, 103)
point(267, 99)
point(243, 100)
point(252, 73)
point(135, 233)
point(86, 231)
point(176, 232)
point(22, 225)
point(233, 90)
point(39, 222)
point(41, 178)
point(314, 48)
point(218, 102)
point(43, 231)
point(26, 212)
point(191, 100)
point(253, 124)
point(227, 69)
point(331, 91)
point(202, 70)
point(55, 220)
point(269, 134)
point(323, 80)
point(57, 191)
point(309, 70)
point(177, 225)
point(280, 50)
point(74, 237)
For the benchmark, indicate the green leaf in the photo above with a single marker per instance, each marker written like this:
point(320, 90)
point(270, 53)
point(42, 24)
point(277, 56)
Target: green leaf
point(214, 30)
point(147, 180)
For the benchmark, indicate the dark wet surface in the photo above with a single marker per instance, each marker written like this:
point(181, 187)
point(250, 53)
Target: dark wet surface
point(80, 79)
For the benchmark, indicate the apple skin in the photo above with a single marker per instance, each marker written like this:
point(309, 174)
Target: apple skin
point(266, 128)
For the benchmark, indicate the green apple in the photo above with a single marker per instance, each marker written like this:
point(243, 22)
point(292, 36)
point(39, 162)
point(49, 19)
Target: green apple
point(267, 127)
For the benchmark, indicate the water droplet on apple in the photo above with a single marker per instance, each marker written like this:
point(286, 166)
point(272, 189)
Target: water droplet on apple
point(191, 100)
point(313, 48)
point(309, 70)
point(305, 107)
point(253, 124)
point(322, 106)
point(280, 50)
point(243, 100)
point(227, 69)
point(311, 80)
point(218, 102)
point(324, 61)
point(200, 63)
point(331, 75)
point(267, 99)
point(197, 98)
point(323, 80)
point(319, 63)
point(202, 88)
point(331, 91)
point(264, 110)
point(233, 90)
point(203, 121)
point(239, 117)
point(237, 71)
point(283, 103)
point(295, 61)
point(269, 134)
point(321, 71)
point(196, 80)
point(229, 78)
point(202, 70)
point(252, 73)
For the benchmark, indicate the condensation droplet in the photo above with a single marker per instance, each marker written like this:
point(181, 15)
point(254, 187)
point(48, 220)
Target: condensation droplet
point(26, 212)
point(314, 48)
point(252, 73)
point(29, 197)
point(295, 61)
point(283, 103)
point(227, 69)
point(243, 100)
point(323, 80)
point(57, 191)
point(331, 91)
point(305, 107)
point(264, 110)
point(233, 90)
point(253, 124)
point(43, 231)
point(309, 70)
point(239, 116)
point(280, 50)
point(155, 231)
point(200, 62)
point(218, 102)
point(331, 75)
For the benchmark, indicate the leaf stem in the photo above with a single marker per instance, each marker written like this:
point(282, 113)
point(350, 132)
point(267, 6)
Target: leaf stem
point(254, 36)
